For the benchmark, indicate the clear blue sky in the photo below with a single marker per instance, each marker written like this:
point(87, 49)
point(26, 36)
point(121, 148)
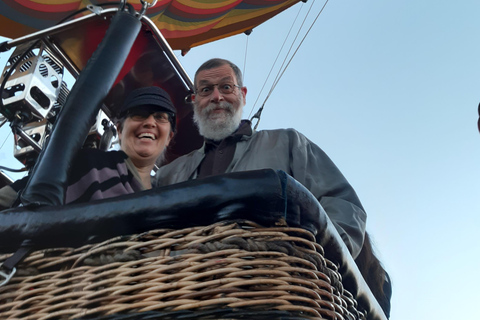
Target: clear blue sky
point(389, 89)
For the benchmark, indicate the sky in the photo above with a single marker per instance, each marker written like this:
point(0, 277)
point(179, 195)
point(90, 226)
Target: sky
point(390, 91)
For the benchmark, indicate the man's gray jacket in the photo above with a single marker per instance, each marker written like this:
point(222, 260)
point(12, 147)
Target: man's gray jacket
point(292, 152)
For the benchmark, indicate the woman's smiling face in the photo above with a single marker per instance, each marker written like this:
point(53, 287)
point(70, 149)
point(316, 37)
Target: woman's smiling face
point(145, 135)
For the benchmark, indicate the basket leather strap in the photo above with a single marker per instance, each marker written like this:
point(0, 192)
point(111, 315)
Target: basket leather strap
point(8, 268)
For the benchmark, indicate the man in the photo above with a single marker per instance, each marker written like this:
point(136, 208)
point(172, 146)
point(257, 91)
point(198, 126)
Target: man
point(230, 145)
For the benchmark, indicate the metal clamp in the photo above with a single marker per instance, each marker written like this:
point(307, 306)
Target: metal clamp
point(95, 9)
point(6, 276)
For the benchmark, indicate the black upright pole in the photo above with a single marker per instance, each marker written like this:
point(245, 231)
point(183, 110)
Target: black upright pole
point(49, 177)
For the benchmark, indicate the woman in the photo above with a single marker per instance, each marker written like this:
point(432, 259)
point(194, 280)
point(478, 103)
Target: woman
point(146, 126)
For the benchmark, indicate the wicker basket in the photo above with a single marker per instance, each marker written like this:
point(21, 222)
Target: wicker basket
point(228, 270)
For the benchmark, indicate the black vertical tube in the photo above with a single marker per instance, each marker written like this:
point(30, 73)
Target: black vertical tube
point(49, 177)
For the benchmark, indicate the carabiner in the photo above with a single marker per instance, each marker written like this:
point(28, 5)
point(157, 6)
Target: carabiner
point(145, 6)
point(6, 276)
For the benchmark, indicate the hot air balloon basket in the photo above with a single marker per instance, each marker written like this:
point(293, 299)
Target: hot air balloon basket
point(228, 270)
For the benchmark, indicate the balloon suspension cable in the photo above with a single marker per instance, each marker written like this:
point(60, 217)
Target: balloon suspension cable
point(277, 79)
point(285, 64)
point(275, 62)
point(3, 120)
point(245, 58)
point(6, 138)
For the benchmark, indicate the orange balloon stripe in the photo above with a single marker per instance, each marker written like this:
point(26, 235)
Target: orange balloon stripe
point(184, 11)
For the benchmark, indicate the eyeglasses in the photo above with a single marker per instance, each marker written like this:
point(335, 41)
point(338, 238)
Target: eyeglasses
point(224, 88)
point(141, 115)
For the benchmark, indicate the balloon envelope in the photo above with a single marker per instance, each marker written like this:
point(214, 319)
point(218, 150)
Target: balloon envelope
point(184, 23)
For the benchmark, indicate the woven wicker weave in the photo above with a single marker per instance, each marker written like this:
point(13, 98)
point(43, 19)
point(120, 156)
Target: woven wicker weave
point(214, 272)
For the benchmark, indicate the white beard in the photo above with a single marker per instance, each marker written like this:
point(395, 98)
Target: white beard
point(217, 127)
